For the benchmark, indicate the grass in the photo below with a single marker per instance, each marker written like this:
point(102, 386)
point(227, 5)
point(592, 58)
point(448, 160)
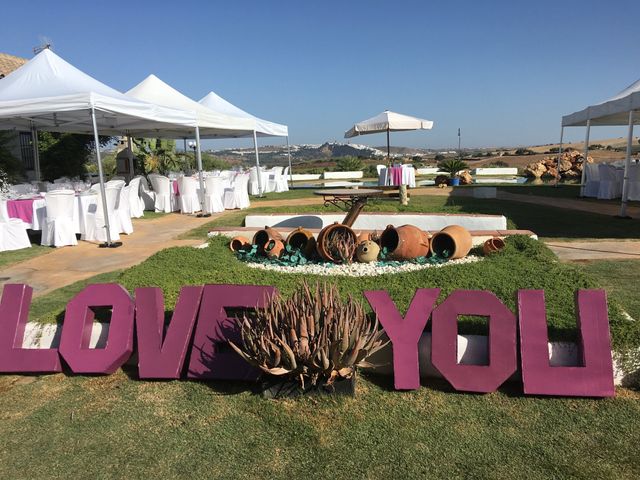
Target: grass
point(112, 427)
point(546, 222)
point(12, 257)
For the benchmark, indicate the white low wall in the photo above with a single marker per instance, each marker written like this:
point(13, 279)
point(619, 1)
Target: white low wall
point(429, 171)
point(472, 349)
point(367, 221)
point(342, 175)
point(495, 171)
point(305, 176)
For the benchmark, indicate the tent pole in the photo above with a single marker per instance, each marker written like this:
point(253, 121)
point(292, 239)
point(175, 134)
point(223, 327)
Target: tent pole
point(627, 162)
point(103, 194)
point(132, 169)
point(203, 191)
point(255, 146)
point(584, 158)
point(36, 152)
point(289, 155)
point(559, 153)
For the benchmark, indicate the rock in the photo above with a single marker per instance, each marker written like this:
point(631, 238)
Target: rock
point(441, 180)
point(536, 170)
point(551, 172)
point(565, 164)
point(572, 173)
point(465, 177)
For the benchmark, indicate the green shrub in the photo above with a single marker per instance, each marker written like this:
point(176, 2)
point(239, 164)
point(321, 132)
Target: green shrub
point(348, 164)
point(452, 166)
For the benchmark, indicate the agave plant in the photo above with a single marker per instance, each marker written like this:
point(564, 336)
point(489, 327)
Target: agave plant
point(313, 336)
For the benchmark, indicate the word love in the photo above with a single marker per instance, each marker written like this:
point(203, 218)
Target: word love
point(196, 338)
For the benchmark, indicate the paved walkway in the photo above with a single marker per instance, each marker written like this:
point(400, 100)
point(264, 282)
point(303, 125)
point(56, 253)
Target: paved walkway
point(600, 250)
point(67, 265)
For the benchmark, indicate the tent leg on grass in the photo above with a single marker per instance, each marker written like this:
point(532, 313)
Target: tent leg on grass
point(255, 146)
point(203, 191)
point(105, 208)
point(559, 154)
point(627, 162)
point(584, 158)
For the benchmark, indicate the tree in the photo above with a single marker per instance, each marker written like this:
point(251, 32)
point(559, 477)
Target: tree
point(157, 155)
point(452, 166)
point(439, 157)
point(65, 154)
point(10, 166)
point(349, 164)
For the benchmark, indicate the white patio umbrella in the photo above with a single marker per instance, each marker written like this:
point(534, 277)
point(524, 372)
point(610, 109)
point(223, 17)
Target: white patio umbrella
point(388, 122)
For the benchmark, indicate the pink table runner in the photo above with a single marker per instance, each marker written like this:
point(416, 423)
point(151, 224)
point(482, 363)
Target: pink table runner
point(396, 175)
point(22, 209)
point(175, 187)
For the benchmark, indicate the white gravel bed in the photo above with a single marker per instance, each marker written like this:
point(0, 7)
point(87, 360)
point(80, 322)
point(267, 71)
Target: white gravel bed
point(358, 269)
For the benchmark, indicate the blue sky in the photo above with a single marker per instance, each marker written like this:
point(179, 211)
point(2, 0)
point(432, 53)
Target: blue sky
point(503, 71)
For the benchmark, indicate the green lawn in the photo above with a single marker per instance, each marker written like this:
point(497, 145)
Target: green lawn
point(62, 426)
point(546, 222)
point(15, 256)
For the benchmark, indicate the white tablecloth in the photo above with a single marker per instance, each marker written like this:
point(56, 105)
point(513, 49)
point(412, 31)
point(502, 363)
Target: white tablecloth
point(408, 176)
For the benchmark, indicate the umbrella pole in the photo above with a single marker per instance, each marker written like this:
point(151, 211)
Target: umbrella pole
point(584, 160)
point(255, 147)
point(388, 149)
point(560, 153)
point(289, 155)
point(103, 193)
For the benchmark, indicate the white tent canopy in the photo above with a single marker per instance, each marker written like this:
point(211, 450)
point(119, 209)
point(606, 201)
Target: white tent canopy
point(614, 111)
point(263, 128)
point(618, 110)
point(51, 94)
point(388, 122)
point(212, 124)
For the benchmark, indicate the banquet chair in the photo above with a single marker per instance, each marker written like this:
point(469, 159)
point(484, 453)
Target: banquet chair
point(254, 186)
point(164, 200)
point(633, 192)
point(282, 185)
point(115, 183)
point(61, 180)
point(237, 196)
point(610, 186)
point(147, 196)
point(58, 229)
point(379, 168)
point(592, 180)
point(13, 233)
point(96, 228)
point(273, 179)
point(123, 211)
point(188, 199)
point(21, 189)
point(136, 203)
point(214, 187)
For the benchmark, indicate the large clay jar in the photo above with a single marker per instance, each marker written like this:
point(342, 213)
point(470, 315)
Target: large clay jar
point(404, 243)
point(367, 251)
point(451, 242)
point(263, 236)
point(324, 241)
point(302, 240)
point(239, 243)
point(273, 248)
point(492, 245)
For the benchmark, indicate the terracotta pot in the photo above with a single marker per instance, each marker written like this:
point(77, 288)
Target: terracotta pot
point(451, 242)
point(263, 236)
point(404, 243)
point(325, 235)
point(367, 251)
point(492, 245)
point(363, 237)
point(239, 243)
point(273, 248)
point(303, 240)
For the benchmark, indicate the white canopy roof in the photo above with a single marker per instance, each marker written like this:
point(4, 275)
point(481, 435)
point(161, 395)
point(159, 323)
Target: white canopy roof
point(212, 124)
point(388, 121)
point(53, 95)
point(614, 111)
point(264, 128)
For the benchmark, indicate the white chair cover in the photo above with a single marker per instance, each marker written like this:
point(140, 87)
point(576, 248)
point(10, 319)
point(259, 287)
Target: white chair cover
point(96, 230)
point(21, 189)
point(188, 199)
point(610, 186)
point(634, 182)
point(123, 211)
point(58, 229)
point(592, 180)
point(147, 196)
point(379, 168)
point(282, 184)
point(164, 201)
point(215, 193)
point(13, 233)
point(274, 179)
point(237, 196)
point(136, 203)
